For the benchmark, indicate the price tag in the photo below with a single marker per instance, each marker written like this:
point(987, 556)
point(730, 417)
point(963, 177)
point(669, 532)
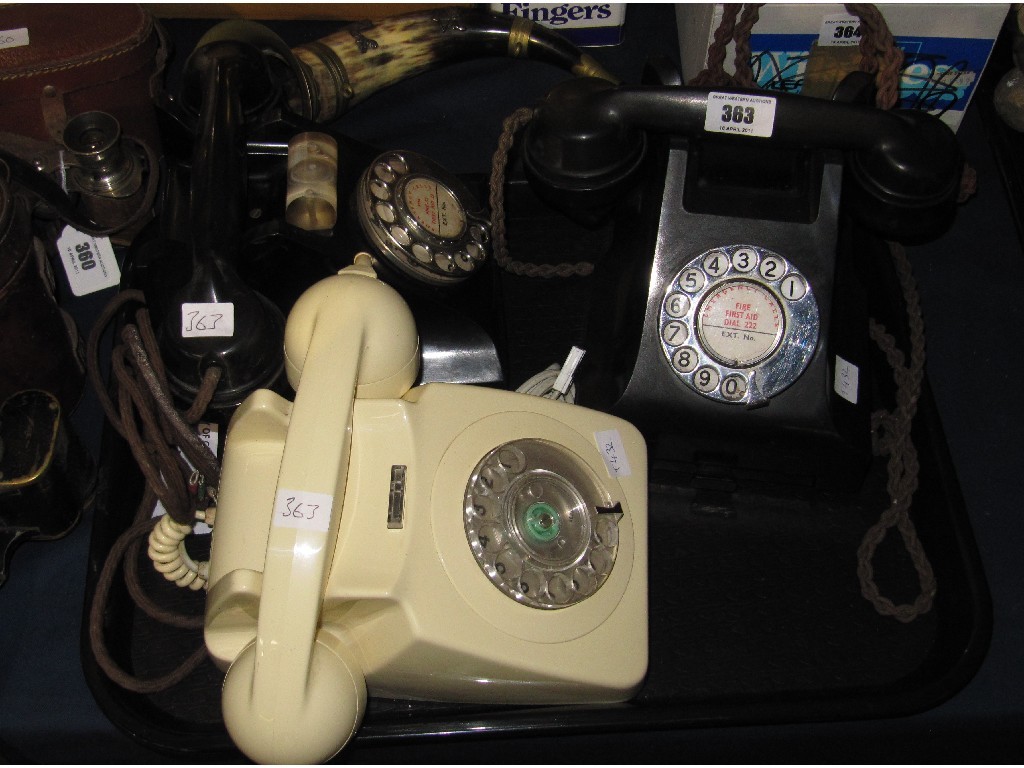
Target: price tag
point(847, 380)
point(89, 262)
point(839, 30)
point(13, 38)
point(613, 451)
point(207, 319)
point(303, 509)
point(742, 114)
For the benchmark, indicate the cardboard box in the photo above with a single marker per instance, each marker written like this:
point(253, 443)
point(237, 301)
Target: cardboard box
point(587, 25)
point(946, 46)
point(288, 11)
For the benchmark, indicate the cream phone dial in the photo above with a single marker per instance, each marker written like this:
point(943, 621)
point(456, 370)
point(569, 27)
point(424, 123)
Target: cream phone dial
point(443, 542)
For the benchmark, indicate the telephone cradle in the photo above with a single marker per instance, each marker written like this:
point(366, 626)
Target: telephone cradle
point(444, 542)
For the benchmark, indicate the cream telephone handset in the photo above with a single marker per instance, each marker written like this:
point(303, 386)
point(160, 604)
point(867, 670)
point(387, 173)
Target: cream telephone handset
point(444, 542)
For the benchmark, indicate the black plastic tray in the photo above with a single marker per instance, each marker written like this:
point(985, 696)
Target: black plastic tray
point(755, 615)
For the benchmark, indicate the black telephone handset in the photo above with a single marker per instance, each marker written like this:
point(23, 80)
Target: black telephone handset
point(730, 323)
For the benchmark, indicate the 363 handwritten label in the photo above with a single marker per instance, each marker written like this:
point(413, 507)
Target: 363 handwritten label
point(89, 262)
point(740, 113)
point(839, 30)
point(613, 451)
point(847, 380)
point(199, 319)
point(303, 509)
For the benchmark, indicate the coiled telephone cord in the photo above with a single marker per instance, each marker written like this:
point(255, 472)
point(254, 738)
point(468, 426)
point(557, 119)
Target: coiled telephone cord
point(157, 435)
point(169, 556)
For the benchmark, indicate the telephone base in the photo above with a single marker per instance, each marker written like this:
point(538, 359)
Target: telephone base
point(504, 563)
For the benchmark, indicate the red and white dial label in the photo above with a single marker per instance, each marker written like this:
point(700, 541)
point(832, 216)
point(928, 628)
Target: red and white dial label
point(740, 323)
point(434, 207)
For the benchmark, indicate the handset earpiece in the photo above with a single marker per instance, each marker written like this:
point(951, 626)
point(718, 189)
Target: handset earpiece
point(906, 186)
point(578, 151)
point(348, 336)
point(356, 303)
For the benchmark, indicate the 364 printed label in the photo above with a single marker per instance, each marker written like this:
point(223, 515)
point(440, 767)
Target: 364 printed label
point(839, 31)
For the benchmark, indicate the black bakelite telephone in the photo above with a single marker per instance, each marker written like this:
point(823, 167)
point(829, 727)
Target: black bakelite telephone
point(226, 260)
point(728, 318)
point(248, 127)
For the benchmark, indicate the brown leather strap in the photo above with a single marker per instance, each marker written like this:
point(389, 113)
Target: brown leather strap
point(55, 115)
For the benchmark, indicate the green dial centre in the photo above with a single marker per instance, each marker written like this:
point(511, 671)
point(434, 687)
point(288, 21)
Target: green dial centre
point(542, 521)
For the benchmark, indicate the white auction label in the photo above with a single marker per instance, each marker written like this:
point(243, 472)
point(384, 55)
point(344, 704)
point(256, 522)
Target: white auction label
point(303, 509)
point(740, 113)
point(199, 319)
point(847, 381)
point(613, 451)
point(13, 38)
point(839, 30)
point(89, 262)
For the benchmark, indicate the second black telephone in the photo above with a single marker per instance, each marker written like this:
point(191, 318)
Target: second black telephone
point(259, 204)
point(729, 313)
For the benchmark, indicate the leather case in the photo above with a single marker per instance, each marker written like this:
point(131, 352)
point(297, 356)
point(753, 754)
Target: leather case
point(59, 60)
point(39, 345)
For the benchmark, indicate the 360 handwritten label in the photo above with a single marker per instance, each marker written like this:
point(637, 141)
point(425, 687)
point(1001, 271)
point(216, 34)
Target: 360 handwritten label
point(207, 319)
point(740, 113)
point(13, 38)
point(613, 451)
point(303, 509)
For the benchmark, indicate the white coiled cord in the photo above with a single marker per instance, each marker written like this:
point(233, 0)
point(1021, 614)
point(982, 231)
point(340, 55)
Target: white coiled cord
point(555, 381)
point(167, 551)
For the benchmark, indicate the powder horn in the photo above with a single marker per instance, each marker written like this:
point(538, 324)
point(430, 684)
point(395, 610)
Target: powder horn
point(344, 68)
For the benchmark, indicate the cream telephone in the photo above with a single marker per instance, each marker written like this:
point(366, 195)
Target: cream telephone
point(444, 542)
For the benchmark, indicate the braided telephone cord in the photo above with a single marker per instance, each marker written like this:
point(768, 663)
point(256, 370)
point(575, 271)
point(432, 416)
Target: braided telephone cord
point(735, 27)
point(714, 73)
point(891, 436)
point(744, 77)
point(890, 430)
point(155, 431)
point(881, 56)
point(499, 162)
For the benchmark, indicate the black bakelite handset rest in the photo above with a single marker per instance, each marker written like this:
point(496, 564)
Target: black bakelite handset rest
point(587, 141)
